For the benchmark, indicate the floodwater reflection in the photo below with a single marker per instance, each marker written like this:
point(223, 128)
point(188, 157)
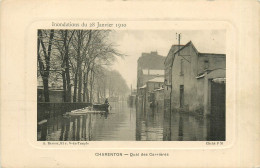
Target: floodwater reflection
point(117, 125)
point(124, 123)
point(156, 124)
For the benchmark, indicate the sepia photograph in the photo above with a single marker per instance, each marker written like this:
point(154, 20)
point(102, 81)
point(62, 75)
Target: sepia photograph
point(131, 85)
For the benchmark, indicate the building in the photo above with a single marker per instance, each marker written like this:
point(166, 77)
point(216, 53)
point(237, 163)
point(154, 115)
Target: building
point(167, 75)
point(149, 66)
point(55, 91)
point(152, 86)
point(149, 91)
point(194, 81)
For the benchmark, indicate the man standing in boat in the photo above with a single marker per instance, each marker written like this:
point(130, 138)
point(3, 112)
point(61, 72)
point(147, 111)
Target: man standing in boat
point(106, 102)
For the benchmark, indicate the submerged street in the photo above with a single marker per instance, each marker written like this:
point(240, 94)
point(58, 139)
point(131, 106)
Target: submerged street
point(124, 123)
point(162, 89)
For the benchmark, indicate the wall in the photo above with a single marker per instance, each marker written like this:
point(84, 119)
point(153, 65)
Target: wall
point(54, 95)
point(151, 61)
point(196, 91)
point(151, 86)
point(146, 78)
point(159, 98)
point(198, 103)
point(188, 58)
point(215, 62)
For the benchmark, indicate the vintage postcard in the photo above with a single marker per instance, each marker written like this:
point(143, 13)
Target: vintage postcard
point(125, 84)
point(110, 86)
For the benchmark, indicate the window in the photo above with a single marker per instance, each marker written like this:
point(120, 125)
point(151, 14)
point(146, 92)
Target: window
point(206, 64)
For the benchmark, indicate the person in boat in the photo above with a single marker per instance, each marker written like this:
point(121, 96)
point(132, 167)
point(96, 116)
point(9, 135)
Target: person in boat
point(106, 102)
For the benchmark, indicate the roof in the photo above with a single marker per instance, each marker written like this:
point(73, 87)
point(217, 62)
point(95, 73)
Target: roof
point(189, 43)
point(211, 72)
point(200, 76)
point(157, 79)
point(173, 49)
point(211, 54)
point(159, 89)
point(153, 72)
point(144, 86)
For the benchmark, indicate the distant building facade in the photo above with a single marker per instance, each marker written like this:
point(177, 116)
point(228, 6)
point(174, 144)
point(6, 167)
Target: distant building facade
point(150, 76)
point(149, 66)
point(189, 77)
point(154, 89)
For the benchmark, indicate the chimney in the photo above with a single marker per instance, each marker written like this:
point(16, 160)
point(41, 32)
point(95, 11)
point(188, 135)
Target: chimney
point(154, 53)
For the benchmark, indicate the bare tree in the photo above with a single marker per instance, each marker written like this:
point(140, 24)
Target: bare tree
point(63, 44)
point(77, 57)
point(44, 61)
point(80, 44)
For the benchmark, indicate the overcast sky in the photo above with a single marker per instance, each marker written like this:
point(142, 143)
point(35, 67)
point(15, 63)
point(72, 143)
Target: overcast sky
point(134, 42)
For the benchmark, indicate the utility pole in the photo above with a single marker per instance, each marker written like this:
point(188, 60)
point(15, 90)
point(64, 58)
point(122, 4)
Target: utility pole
point(178, 35)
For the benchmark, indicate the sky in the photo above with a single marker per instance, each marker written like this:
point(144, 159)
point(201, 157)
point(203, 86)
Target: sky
point(133, 43)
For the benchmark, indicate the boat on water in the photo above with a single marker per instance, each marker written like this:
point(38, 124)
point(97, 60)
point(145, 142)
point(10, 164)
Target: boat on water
point(101, 107)
point(96, 108)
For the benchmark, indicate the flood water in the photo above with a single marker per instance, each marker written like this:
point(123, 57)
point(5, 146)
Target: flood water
point(124, 123)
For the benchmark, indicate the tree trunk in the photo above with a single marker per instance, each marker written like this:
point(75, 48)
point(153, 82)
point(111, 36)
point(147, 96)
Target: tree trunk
point(98, 95)
point(93, 81)
point(67, 70)
point(87, 90)
point(105, 90)
point(68, 83)
point(91, 86)
point(64, 86)
point(75, 87)
point(79, 64)
point(84, 87)
point(46, 89)
point(80, 83)
point(47, 54)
